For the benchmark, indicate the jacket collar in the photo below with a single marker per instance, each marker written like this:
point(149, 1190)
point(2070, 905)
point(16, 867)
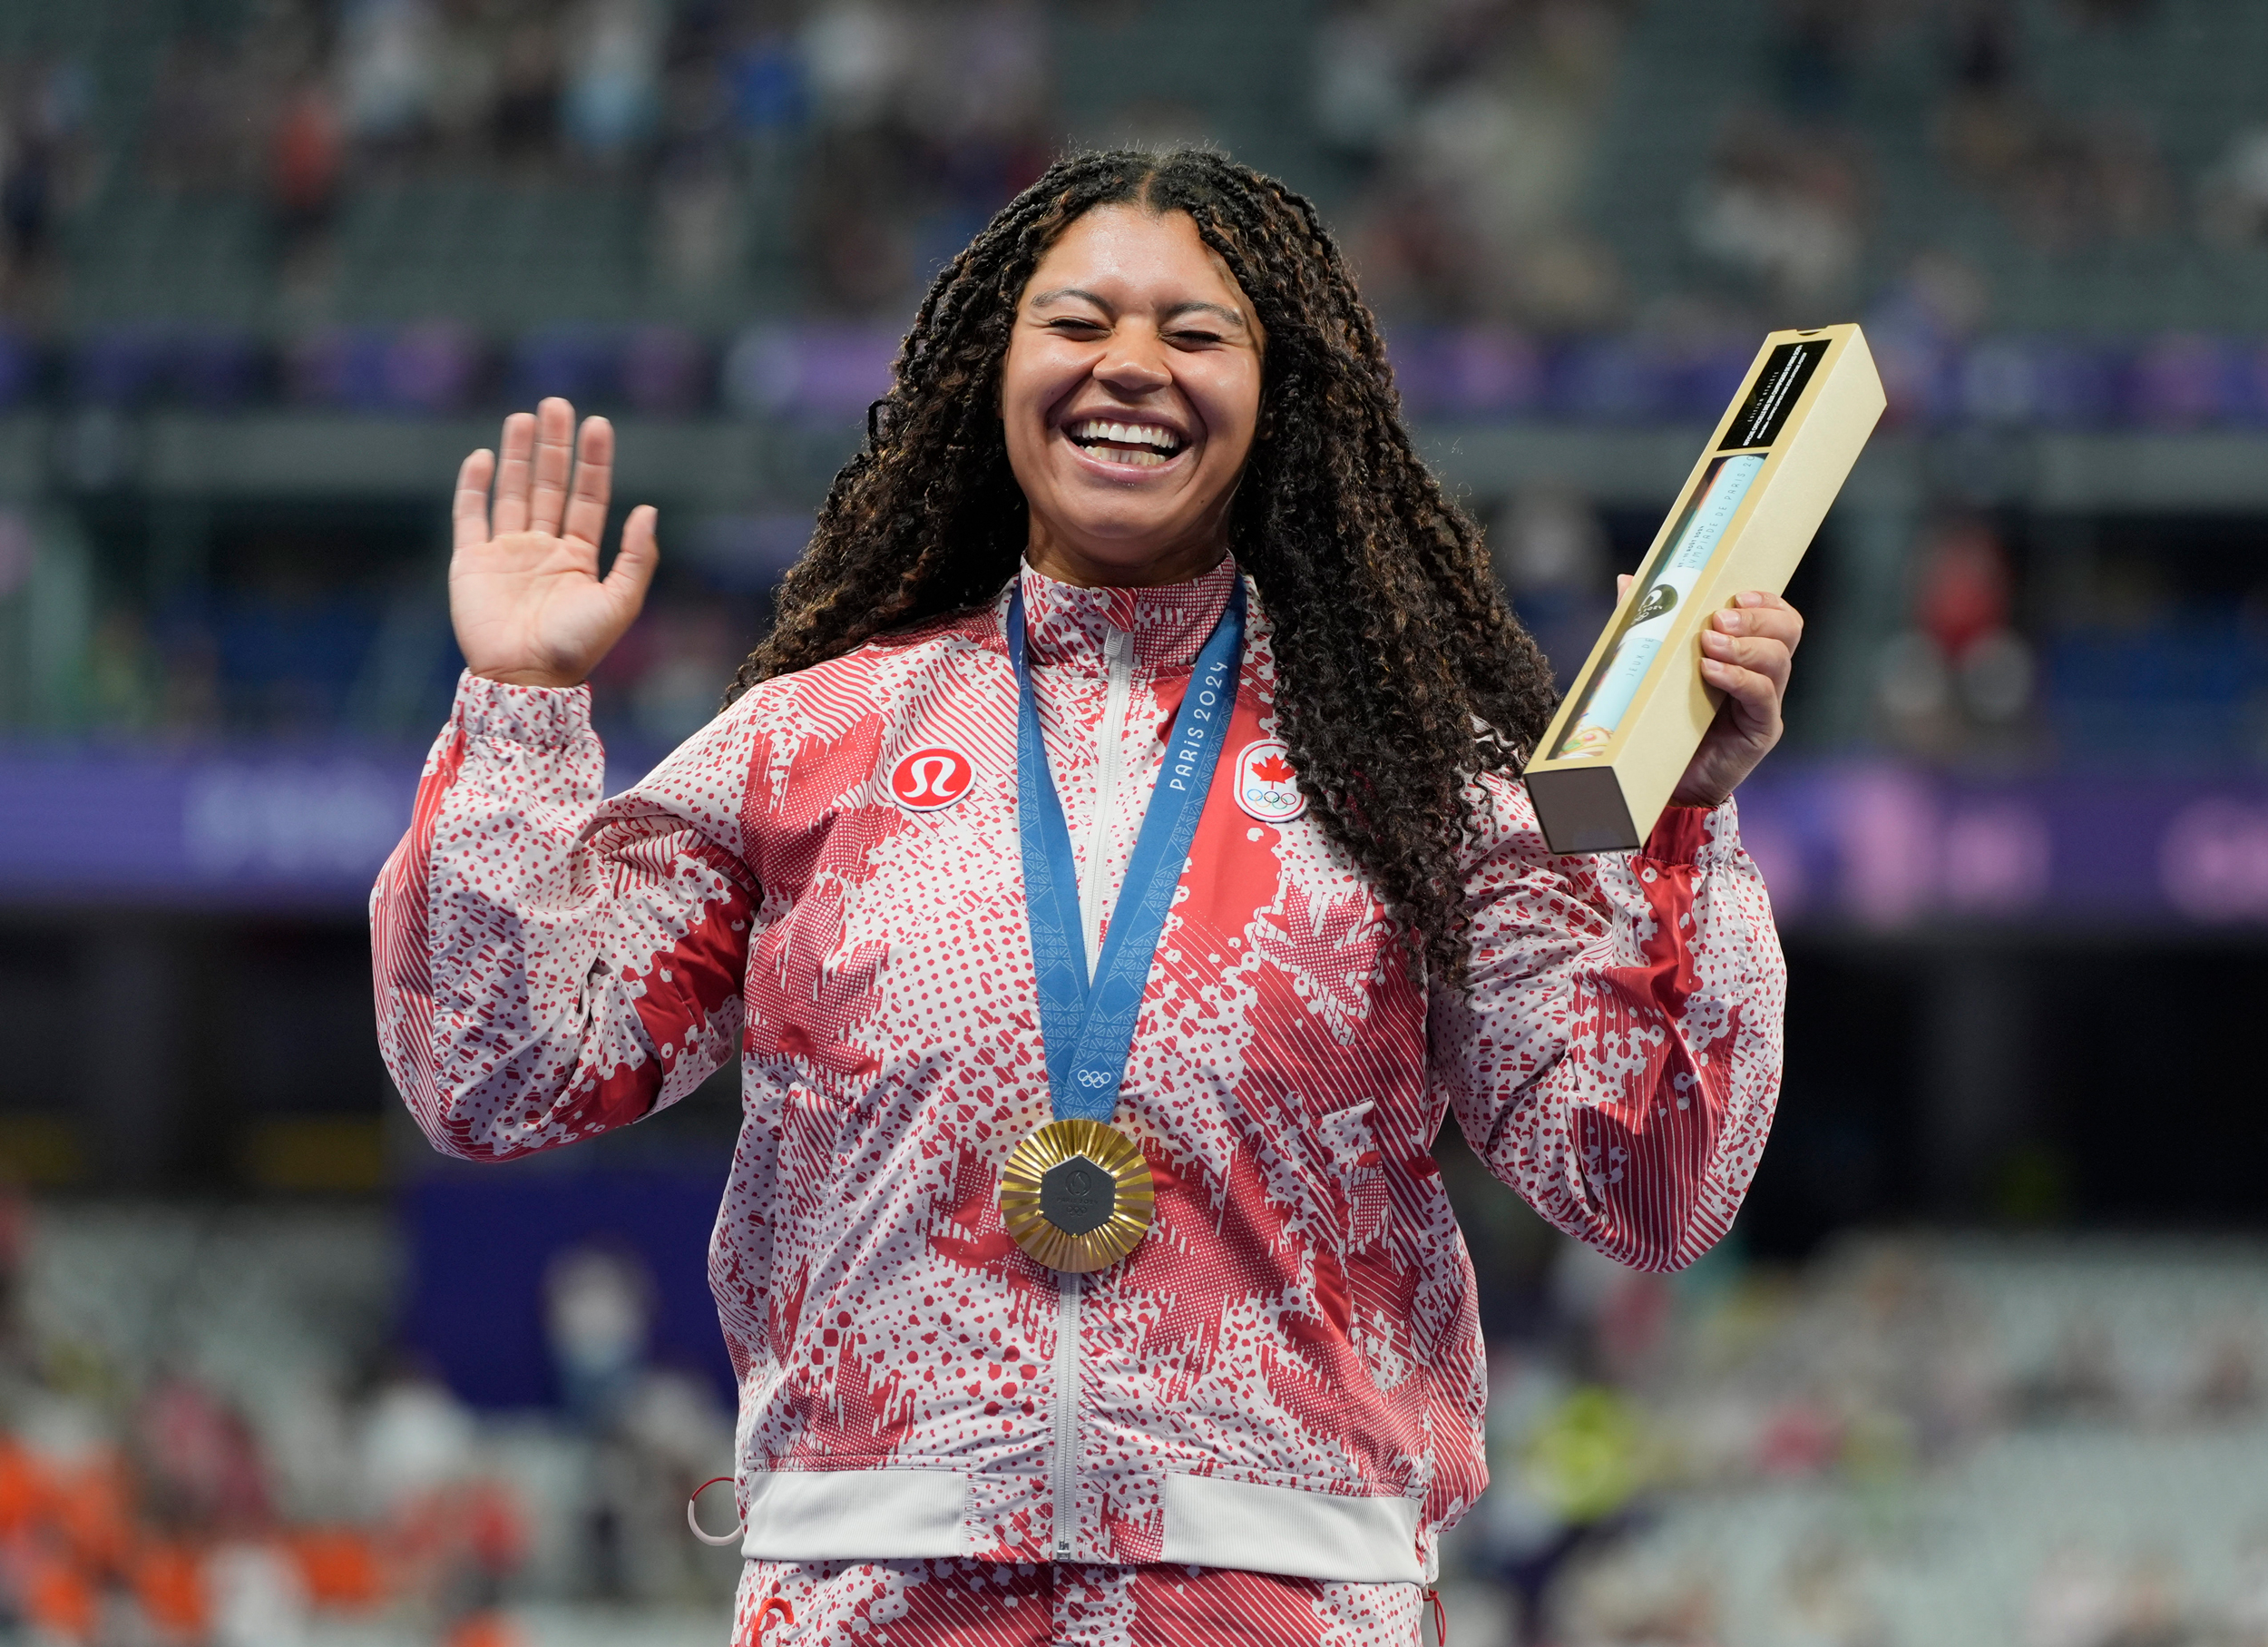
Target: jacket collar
point(1070, 626)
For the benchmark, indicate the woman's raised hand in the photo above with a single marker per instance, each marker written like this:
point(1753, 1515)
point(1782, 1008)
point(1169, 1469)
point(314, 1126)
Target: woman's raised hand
point(526, 595)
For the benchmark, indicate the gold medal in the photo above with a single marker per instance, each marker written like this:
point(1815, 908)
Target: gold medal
point(1077, 1195)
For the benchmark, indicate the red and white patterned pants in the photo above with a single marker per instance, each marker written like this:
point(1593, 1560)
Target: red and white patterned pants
point(974, 1603)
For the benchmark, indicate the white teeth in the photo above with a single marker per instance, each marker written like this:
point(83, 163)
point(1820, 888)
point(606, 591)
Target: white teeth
point(1124, 434)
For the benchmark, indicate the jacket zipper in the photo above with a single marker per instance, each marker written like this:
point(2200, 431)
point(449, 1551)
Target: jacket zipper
point(1117, 702)
point(1065, 1460)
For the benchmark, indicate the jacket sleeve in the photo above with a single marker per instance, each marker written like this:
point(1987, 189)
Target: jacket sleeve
point(1617, 1057)
point(548, 964)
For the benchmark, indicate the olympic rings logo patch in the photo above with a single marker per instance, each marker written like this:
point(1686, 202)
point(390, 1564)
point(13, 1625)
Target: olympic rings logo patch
point(931, 777)
point(1266, 786)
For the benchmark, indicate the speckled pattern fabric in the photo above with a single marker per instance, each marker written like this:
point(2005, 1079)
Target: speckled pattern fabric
point(974, 1603)
point(550, 964)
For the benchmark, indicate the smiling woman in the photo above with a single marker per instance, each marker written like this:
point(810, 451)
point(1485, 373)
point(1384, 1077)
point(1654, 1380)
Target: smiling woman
point(1111, 870)
point(1128, 399)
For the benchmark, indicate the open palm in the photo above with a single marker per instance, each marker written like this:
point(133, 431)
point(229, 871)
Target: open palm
point(526, 595)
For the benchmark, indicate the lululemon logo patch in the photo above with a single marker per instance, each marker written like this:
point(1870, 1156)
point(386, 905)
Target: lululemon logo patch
point(1266, 788)
point(932, 777)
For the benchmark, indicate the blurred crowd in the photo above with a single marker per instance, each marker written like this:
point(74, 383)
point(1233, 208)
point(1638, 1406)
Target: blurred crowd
point(210, 1433)
point(874, 137)
point(866, 139)
point(1879, 1449)
point(808, 162)
point(1471, 129)
point(1474, 134)
point(285, 1472)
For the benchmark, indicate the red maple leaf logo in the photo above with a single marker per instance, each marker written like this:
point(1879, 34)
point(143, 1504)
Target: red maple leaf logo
point(1275, 768)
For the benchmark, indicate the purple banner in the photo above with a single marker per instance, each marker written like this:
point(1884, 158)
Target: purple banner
point(1881, 845)
point(1887, 846)
point(252, 830)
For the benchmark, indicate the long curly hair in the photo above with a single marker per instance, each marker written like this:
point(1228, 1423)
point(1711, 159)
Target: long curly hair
point(1401, 674)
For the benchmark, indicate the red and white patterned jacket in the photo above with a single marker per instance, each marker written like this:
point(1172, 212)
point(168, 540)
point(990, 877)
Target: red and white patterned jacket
point(1286, 1376)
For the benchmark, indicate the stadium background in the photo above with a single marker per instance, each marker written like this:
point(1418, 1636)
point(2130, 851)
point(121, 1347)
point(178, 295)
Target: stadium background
point(1984, 1358)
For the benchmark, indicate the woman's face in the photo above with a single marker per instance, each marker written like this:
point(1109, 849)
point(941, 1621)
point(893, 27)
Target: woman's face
point(1129, 396)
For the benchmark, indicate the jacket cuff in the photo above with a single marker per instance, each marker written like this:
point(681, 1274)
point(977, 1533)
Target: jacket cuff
point(1690, 835)
point(536, 716)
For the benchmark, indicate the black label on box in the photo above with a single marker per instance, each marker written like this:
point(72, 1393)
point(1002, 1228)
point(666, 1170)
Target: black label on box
point(1786, 369)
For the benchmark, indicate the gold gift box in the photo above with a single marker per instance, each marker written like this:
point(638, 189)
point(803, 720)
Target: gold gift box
point(1634, 715)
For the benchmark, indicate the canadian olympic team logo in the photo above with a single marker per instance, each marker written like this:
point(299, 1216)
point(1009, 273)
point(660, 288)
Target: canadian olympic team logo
point(1266, 788)
point(932, 777)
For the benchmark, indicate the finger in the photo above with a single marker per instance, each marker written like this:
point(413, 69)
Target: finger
point(1765, 656)
point(470, 510)
point(511, 473)
point(594, 479)
point(1622, 586)
point(1764, 613)
point(1756, 701)
point(555, 435)
point(632, 572)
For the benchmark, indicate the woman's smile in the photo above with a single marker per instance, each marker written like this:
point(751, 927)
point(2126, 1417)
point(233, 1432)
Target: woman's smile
point(1122, 443)
point(1128, 399)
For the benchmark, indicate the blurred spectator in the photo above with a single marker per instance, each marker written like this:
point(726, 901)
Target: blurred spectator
point(2064, 182)
point(1472, 129)
point(43, 109)
point(613, 74)
point(2068, 183)
point(257, 1597)
point(598, 1307)
point(2228, 1385)
point(389, 68)
point(303, 173)
point(1817, 46)
point(524, 119)
point(204, 1472)
point(416, 1439)
point(1960, 678)
point(27, 191)
point(1781, 211)
point(928, 120)
point(2074, 1602)
point(1364, 76)
point(2232, 207)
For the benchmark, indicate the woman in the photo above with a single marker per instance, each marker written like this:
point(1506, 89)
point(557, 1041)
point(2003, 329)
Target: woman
point(1220, 1379)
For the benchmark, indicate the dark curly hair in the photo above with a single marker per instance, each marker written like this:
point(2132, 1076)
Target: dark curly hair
point(1400, 671)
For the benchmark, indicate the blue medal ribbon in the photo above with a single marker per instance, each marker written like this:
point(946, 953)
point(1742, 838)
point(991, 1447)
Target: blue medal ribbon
point(1089, 1028)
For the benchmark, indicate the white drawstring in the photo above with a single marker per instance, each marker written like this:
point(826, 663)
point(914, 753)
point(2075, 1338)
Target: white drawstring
point(693, 1521)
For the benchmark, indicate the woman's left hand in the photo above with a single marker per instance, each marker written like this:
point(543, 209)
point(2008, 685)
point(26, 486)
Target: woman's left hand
point(1745, 653)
